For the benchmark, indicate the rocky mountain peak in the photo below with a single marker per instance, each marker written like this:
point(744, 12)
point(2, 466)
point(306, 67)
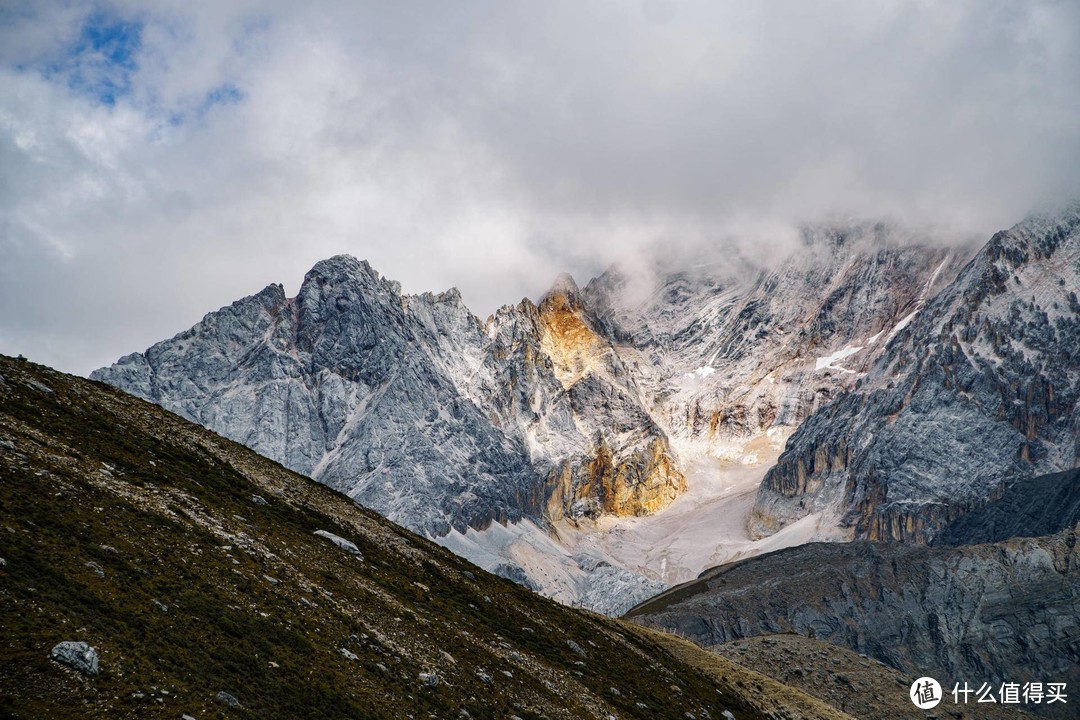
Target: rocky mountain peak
point(978, 387)
point(272, 295)
point(564, 295)
point(347, 270)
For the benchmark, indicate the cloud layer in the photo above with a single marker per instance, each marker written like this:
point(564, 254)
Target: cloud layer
point(158, 160)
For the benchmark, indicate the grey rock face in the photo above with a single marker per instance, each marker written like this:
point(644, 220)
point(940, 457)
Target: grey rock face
point(76, 655)
point(979, 390)
point(515, 573)
point(555, 380)
point(345, 382)
point(407, 404)
point(731, 349)
point(993, 612)
point(1029, 507)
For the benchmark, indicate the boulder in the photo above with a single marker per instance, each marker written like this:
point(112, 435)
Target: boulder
point(227, 699)
point(346, 545)
point(76, 655)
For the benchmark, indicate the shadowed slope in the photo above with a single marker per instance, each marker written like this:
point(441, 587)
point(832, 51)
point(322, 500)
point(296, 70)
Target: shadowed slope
point(193, 566)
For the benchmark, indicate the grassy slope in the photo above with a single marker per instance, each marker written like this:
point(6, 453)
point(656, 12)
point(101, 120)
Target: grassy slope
point(862, 686)
point(768, 696)
point(259, 606)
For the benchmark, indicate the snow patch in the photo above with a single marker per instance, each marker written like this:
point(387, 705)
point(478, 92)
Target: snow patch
point(580, 579)
point(828, 362)
point(904, 322)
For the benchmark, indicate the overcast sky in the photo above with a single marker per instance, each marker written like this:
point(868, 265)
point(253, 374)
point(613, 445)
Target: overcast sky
point(161, 159)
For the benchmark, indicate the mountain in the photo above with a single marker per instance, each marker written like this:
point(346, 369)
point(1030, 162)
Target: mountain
point(348, 383)
point(150, 568)
point(569, 443)
point(996, 613)
point(411, 406)
point(735, 349)
point(977, 390)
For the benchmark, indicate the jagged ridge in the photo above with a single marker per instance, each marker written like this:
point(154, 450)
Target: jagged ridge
point(980, 389)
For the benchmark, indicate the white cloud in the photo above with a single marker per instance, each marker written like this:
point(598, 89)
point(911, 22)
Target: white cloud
point(489, 145)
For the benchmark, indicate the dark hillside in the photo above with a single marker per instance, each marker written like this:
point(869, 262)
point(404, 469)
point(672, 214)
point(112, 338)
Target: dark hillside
point(192, 566)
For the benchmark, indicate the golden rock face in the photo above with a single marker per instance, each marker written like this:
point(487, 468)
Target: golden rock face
point(635, 477)
point(640, 484)
point(571, 344)
point(633, 484)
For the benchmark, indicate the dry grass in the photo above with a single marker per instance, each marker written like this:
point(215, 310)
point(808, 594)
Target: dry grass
point(768, 696)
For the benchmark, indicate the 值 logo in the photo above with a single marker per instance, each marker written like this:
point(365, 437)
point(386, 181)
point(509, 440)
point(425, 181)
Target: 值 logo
point(925, 693)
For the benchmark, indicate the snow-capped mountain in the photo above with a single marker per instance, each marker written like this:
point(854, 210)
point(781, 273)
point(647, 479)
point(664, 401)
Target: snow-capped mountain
point(348, 383)
point(599, 444)
point(412, 406)
point(734, 350)
point(978, 389)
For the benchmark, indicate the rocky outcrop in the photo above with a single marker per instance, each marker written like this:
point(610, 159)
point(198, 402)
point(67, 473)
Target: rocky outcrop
point(628, 467)
point(981, 613)
point(347, 545)
point(977, 390)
